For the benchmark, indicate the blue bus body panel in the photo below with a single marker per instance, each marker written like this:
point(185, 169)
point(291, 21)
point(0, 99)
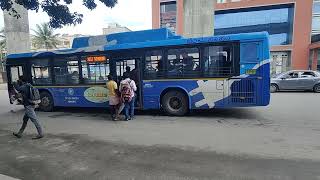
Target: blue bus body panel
point(204, 94)
point(94, 96)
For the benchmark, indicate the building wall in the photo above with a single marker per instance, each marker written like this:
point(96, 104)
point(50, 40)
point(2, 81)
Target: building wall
point(114, 28)
point(302, 34)
point(298, 50)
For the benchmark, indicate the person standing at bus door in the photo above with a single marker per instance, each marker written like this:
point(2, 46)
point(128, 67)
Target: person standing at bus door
point(187, 61)
point(135, 76)
point(127, 89)
point(114, 100)
point(128, 70)
point(24, 89)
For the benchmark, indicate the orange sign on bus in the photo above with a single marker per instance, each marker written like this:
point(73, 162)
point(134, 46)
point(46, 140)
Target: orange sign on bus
point(96, 59)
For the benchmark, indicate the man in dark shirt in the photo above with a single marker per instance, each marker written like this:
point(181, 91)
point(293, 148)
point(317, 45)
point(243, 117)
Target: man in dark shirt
point(24, 88)
point(187, 61)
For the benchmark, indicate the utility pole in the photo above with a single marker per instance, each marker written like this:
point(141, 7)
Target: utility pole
point(16, 32)
point(198, 18)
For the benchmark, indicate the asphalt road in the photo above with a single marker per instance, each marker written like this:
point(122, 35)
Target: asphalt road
point(280, 141)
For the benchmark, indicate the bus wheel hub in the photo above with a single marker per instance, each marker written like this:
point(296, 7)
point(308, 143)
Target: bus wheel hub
point(45, 101)
point(175, 103)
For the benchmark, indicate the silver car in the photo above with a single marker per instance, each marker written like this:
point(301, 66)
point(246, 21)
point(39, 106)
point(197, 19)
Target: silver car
point(296, 80)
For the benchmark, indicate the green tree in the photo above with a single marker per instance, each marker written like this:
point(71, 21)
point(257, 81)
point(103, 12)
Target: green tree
point(44, 37)
point(58, 10)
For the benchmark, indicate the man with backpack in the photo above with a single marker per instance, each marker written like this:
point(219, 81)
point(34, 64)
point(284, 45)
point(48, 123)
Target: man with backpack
point(31, 99)
point(127, 89)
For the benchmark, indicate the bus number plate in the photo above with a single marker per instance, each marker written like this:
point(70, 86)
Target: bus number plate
point(251, 71)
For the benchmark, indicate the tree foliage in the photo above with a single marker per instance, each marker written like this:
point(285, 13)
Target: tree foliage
point(57, 10)
point(44, 37)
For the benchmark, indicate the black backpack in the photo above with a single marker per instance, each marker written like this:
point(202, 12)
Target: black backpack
point(34, 97)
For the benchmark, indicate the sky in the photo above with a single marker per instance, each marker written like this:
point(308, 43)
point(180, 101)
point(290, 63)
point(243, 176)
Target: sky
point(134, 14)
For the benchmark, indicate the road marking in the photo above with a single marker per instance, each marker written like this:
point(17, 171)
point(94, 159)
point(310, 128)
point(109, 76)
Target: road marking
point(3, 177)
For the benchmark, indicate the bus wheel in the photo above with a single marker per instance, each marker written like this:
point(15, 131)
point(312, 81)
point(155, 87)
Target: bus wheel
point(46, 104)
point(175, 103)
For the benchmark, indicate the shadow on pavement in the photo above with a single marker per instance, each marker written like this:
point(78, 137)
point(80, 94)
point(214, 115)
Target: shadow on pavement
point(299, 92)
point(235, 113)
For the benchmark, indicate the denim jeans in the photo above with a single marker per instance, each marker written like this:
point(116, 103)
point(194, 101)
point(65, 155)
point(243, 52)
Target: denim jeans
point(129, 108)
point(30, 114)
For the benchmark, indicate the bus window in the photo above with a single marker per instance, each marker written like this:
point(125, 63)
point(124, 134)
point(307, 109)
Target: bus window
point(250, 52)
point(183, 62)
point(41, 72)
point(218, 61)
point(123, 64)
point(153, 65)
point(16, 72)
point(66, 71)
point(94, 72)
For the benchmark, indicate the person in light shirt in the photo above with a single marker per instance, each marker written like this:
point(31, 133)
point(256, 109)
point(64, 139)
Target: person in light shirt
point(127, 89)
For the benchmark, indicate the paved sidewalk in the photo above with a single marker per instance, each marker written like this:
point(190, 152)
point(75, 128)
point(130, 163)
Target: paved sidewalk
point(3, 87)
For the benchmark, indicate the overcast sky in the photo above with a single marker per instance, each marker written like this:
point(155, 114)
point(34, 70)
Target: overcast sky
point(134, 14)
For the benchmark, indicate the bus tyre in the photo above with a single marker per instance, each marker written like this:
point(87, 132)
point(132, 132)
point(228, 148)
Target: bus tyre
point(175, 103)
point(316, 88)
point(46, 104)
point(273, 88)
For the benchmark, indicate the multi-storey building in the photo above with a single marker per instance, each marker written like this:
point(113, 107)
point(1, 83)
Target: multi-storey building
point(290, 23)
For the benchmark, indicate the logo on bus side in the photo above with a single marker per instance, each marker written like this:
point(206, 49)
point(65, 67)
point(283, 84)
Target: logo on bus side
point(96, 94)
point(70, 91)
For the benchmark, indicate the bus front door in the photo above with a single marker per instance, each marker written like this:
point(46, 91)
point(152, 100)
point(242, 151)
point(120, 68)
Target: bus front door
point(122, 67)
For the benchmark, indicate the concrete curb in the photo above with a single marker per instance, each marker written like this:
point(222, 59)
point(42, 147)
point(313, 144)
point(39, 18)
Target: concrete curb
point(3, 177)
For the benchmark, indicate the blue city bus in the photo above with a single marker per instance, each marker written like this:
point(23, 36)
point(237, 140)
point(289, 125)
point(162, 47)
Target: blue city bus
point(172, 73)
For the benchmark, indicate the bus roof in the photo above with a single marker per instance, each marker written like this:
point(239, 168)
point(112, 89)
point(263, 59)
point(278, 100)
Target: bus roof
point(135, 40)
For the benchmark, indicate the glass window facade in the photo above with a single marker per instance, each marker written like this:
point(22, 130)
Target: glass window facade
point(277, 20)
point(168, 15)
point(316, 7)
point(251, 18)
point(315, 24)
point(168, 7)
point(316, 18)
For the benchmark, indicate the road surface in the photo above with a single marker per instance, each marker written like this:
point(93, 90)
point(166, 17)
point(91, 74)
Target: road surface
point(280, 141)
